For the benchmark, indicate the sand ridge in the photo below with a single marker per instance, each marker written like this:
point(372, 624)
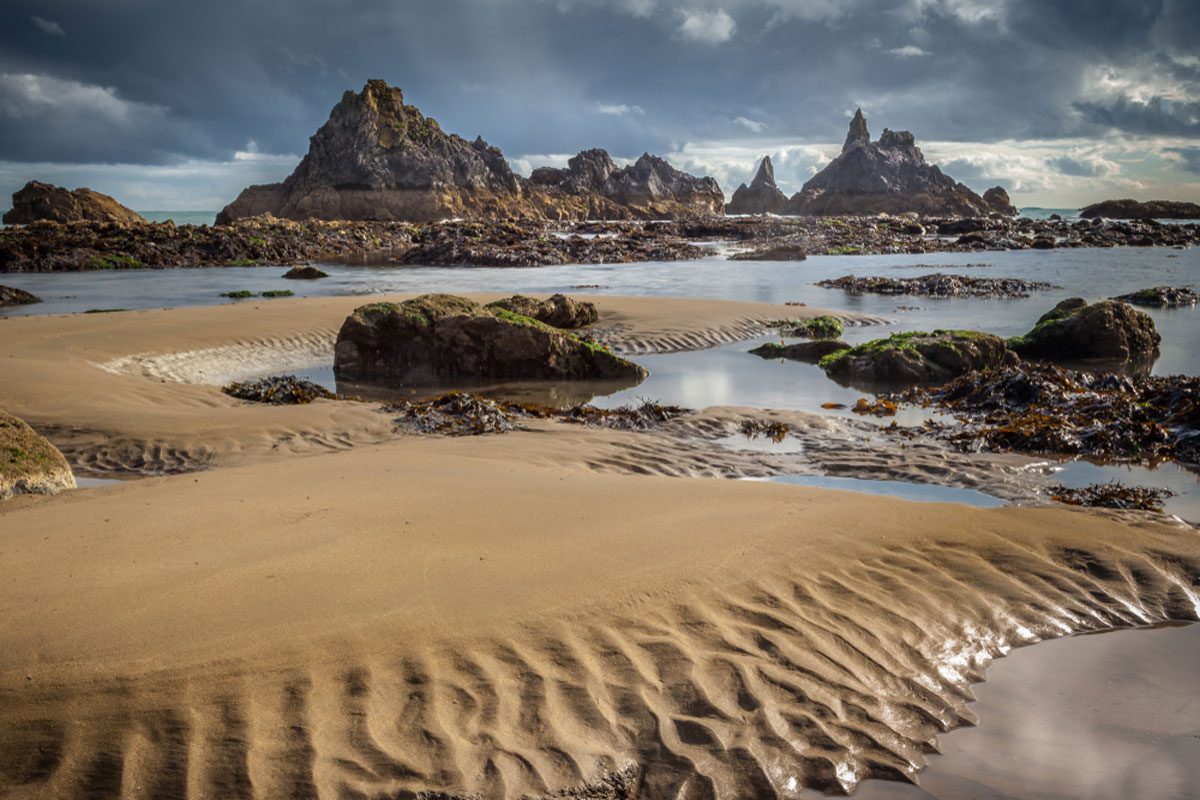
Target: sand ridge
point(346, 622)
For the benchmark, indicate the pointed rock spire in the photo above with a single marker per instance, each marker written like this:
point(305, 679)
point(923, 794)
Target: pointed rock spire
point(858, 132)
point(766, 173)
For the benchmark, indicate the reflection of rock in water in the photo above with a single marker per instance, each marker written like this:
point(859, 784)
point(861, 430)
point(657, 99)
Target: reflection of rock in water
point(554, 394)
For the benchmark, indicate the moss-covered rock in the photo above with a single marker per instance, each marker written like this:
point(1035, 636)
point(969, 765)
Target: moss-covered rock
point(559, 311)
point(918, 357)
point(808, 352)
point(437, 337)
point(29, 464)
point(1075, 331)
point(305, 273)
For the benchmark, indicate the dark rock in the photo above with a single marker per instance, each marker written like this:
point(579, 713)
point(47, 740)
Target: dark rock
point(997, 200)
point(1132, 209)
point(1044, 243)
point(1075, 331)
point(437, 337)
point(559, 311)
point(10, 296)
point(937, 284)
point(888, 176)
point(1157, 297)
point(42, 201)
point(906, 359)
point(305, 273)
point(29, 463)
point(650, 188)
point(762, 196)
point(783, 251)
point(808, 352)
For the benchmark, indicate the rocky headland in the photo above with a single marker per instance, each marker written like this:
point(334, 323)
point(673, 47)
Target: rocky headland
point(762, 196)
point(891, 176)
point(43, 201)
point(380, 159)
point(1133, 209)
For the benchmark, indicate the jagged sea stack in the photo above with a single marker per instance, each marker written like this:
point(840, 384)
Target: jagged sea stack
point(890, 176)
point(379, 159)
point(762, 196)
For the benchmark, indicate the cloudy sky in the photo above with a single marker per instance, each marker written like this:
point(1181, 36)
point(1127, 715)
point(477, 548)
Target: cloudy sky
point(171, 105)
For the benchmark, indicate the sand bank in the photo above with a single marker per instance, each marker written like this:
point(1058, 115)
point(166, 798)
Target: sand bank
point(452, 614)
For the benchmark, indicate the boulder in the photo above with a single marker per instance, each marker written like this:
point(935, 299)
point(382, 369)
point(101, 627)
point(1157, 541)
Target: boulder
point(1075, 331)
point(305, 273)
point(908, 359)
point(29, 464)
point(888, 176)
point(808, 352)
point(559, 311)
point(43, 201)
point(762, 196)
point(440, 337)
point(10, 296)
point(1132, 209)
point(997, 200)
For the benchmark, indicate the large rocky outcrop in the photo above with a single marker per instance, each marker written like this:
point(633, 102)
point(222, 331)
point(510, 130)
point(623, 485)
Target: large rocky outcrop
point(29, 464)
point(1075, 331)
point(650, 188)
point(377, 158)
point(435, 338)
point(888, 176)
point(762, 196)
point(44, 201)
point(1132, 209)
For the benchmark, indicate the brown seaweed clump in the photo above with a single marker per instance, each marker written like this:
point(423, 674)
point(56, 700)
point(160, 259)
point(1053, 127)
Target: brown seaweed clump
point(1113, 495)
point(647, 416)
point(770, 429)
point(279, 390)
point(463, 414)
point(1040, 408)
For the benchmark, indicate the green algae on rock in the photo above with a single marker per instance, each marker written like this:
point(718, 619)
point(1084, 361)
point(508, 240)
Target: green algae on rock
point(917, 357)
point(1075, 331)
point(29, 463)
point(436, 337)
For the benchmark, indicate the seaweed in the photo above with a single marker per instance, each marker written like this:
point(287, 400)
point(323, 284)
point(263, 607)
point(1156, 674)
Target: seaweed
point(770, 429)
point(279, 390)
point(1112, 495)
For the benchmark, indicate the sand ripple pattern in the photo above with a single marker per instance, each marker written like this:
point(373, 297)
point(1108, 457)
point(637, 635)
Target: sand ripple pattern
point(216, 366)
point(816, 677)
point(622, 343)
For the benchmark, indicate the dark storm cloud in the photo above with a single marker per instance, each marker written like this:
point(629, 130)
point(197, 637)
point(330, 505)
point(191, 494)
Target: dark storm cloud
point(1079, 168)
point(149, 81)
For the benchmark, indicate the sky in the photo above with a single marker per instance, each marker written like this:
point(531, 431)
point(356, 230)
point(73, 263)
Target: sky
point(176, 105)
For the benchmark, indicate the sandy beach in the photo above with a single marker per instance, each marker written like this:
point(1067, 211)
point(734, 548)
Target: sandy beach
point(317, 606)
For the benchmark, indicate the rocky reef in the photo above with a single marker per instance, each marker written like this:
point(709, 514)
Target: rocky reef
point(437, 337)
point(762, 196)
point(29, 464)
point(1133, 209)
point(1162, 297)
point(44, 201)
point(377, 158)
point(938, 284)
point(890, 176)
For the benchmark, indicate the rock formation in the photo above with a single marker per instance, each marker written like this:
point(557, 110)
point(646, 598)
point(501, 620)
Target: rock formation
point(1132, 209)
point(997, 200)
point(650, 188)
point(440, 337)
point(888, 176)
point(43, 201)
point(559, 311)
point(29, 464)
point(1075, 331)
point(12, 296)
point(908, 359)
point(762, 196)
point(377, 158)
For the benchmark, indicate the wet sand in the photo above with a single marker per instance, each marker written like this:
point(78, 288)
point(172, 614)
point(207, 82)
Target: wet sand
point(332, 614)
point(1108, 716)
